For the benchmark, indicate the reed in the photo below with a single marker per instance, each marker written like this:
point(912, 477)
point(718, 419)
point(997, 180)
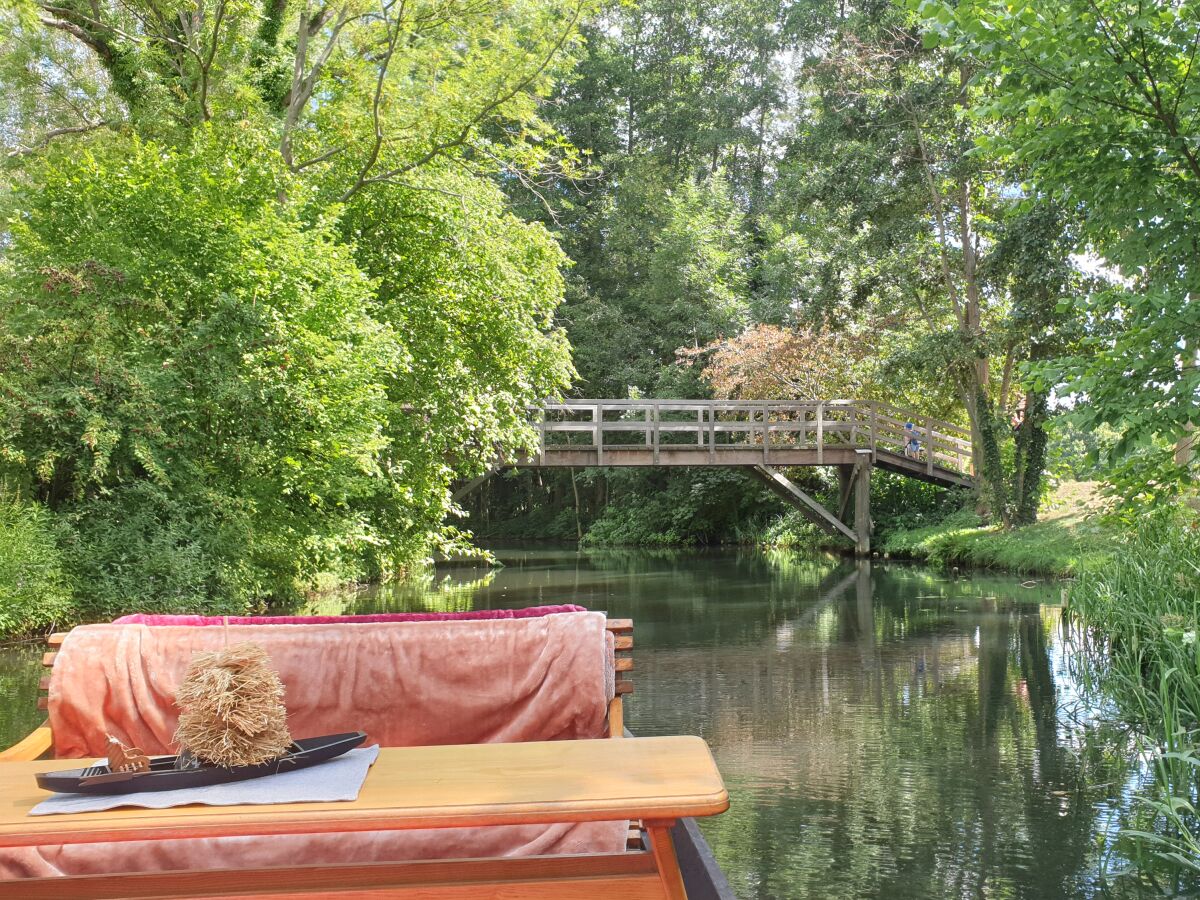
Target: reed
point(1141, 608)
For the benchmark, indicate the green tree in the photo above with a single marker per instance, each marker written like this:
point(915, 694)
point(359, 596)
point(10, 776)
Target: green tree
point(230, 373)
point(1099, 102)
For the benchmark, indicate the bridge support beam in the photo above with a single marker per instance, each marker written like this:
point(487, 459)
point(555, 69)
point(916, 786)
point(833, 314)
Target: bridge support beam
point(812, 509)
point(471, 485)
point(854, 483)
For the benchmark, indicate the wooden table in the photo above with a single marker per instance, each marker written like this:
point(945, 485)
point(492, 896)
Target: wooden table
point(656, 780)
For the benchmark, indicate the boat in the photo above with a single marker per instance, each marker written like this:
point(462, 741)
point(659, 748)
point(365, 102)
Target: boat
point(376, 666)
point(169, 773)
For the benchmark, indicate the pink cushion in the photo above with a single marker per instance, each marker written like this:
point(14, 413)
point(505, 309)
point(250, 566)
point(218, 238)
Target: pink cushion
point(531, 612)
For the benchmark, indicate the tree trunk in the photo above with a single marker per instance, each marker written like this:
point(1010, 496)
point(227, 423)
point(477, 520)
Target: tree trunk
point(1031, 459)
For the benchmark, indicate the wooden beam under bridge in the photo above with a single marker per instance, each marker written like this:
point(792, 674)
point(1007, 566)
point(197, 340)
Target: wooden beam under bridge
point(856, 483)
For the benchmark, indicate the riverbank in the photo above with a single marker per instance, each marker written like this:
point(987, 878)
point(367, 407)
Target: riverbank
point(1068, 537)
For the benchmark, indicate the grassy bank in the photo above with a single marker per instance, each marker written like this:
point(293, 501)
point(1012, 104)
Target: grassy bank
point(1068, 537)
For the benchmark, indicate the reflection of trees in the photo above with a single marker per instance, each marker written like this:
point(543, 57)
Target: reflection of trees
point(884, 749)
point(423, 593)
point(20, 669)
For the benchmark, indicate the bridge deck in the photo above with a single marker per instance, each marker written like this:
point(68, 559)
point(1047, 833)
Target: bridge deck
point(737, 433)
point(626, 456)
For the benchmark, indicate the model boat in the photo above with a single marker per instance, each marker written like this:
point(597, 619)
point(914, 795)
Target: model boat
point(130, 772)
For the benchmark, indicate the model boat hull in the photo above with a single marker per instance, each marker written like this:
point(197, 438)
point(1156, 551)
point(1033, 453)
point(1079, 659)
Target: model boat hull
point(164, 776)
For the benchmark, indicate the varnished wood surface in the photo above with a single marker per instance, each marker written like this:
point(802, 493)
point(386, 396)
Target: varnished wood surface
point(657, 778)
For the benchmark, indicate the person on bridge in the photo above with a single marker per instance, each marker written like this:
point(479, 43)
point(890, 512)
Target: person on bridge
point(912, 446)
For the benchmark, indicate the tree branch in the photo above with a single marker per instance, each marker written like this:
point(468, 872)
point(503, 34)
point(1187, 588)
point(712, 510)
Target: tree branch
point(54, 133)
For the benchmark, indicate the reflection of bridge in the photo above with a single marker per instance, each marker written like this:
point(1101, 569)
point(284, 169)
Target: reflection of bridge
point(853, 435)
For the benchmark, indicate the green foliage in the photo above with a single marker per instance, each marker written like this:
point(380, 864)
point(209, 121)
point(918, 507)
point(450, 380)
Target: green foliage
point(146, 548)
point(471, 290)
point(1093, 98)
point(143, 343)
point(700, 506)
point(1141, 607)
point(35, 592)
point(228, 400)
point(1075, 452)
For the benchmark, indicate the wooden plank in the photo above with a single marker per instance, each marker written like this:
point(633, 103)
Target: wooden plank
point(624, 664)
point(43, 703)
point(598, 432)
point(623, 642)
point(616, 717)
point(620, 625)
point(418, 787)
point(624, 687)
point(930, 440)
point(657, 430)
point(571, 877)
point(48, 658)
point(56, 639)
point(44, 683)
point(820, 434)
point(542, 437)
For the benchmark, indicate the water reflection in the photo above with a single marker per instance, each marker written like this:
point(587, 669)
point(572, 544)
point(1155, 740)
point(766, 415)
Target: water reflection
point(884, 731)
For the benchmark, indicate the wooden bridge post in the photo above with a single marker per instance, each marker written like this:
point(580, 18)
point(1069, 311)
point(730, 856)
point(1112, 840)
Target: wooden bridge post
point(820, 433)
point(598, 432)
point(874, 418)
point(930, 439)
point(712, 432)
point(657, 430)
point(862, 504)
point(542, 438)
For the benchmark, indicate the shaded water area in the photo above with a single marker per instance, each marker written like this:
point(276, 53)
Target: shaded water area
point(884, 730)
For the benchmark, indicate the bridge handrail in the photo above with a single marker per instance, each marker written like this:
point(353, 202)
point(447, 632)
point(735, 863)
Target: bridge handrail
point(803, 424)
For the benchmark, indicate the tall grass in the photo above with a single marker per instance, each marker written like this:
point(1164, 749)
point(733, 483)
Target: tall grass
point(1141, 611)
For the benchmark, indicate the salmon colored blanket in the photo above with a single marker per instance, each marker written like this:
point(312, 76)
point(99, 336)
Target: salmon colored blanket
point(404, 683)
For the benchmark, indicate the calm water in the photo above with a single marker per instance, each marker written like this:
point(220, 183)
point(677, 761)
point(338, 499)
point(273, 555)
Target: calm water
point(885, 731)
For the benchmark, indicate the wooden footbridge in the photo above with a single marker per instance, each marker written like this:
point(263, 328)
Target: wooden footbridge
point(855, 436)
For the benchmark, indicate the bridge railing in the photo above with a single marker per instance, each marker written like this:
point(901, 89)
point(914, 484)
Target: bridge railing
point(713, 426)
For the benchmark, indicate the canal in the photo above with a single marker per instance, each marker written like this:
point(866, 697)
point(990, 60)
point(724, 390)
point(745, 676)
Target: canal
point(885, 730)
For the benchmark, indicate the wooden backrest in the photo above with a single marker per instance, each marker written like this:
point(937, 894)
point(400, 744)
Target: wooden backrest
point(622, 632)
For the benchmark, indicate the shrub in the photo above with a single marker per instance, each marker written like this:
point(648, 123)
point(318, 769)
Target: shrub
point(35, 593)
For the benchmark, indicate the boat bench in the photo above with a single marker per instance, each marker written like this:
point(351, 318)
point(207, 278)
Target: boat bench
point(40, 743)
point(44, 742)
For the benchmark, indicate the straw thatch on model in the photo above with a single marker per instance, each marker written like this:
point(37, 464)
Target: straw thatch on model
point(232, 711)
